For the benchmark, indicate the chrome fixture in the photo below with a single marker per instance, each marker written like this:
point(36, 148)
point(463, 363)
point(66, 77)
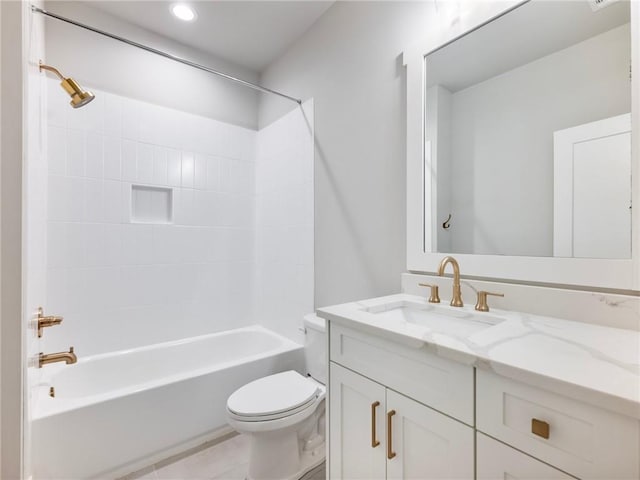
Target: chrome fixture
point(66, 357)
point(456, 299)
point(48, 321)
point(481, 304)
point(79, 96)
point(433, 296)
point(164, 54)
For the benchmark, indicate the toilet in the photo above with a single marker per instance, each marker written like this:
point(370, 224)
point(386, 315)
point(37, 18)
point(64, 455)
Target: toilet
point(284, 414)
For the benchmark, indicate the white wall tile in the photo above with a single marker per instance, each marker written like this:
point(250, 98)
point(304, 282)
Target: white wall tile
point(112, 157)
point(113, 201)
point(76, 152)
point(94, 201)
point(174, 167)
point(154, 281)
point(145, 163)
point(188, 167)
point(129, 165)
point(112, 115)
point(130, 119)
point(213, 172)
point(95, 155)
point(160, 166)
point(56, 150)
point(200, 171)
point(94, 115)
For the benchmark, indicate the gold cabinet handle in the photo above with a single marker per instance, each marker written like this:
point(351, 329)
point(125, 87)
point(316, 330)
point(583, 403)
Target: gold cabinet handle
point(481, 304)
point(390, 452)
point(374, 441)
point(540, 428)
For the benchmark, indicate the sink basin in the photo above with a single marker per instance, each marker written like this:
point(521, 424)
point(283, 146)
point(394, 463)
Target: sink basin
point(440, 319)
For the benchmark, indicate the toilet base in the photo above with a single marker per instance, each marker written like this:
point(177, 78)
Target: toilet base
point(279, 456)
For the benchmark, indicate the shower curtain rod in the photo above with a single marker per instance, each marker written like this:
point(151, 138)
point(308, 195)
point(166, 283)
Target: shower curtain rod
point(164, 54)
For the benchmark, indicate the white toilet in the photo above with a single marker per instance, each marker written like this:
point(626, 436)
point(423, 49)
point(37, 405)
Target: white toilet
point(284, 414)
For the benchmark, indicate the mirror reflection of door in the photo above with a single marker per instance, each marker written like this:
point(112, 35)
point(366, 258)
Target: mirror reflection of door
point(592, 190)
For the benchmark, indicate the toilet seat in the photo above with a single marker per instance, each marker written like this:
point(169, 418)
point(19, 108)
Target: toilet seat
point(273, 397)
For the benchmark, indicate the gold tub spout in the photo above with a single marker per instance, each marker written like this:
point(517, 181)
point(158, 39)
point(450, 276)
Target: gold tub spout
point(456, 299)
point(66, 357)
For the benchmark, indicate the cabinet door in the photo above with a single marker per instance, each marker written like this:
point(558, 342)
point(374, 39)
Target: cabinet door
point(427, 444)
point(356, 405)
point(497, 461)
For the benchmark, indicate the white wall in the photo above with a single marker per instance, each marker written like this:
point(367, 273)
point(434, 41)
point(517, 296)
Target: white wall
point(121, 284)
point(502, 142)
point(12, 74)
point(125, 70)
point(284, 222)
point(350, 63)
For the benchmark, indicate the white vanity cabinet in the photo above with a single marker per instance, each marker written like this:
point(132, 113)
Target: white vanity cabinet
point(399, 410)
point(376, 432)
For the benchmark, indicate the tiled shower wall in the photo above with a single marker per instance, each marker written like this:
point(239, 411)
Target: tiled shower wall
point(121, 284)
point(284, 219)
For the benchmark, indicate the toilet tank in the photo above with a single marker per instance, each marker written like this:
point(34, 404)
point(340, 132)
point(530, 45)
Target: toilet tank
point(315, 347)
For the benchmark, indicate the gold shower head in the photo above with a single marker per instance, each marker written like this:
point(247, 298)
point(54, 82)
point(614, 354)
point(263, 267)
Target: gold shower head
point(79, 97)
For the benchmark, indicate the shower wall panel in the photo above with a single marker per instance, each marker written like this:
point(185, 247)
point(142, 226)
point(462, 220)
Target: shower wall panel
point(121, 284)
point(285, 221)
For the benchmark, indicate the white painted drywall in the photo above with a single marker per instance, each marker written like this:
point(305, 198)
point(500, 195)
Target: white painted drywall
point(11, 91)
point(125, 70)
point(350, 63)
point(502, 142)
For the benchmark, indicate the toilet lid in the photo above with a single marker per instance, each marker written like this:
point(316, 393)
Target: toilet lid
point(272, 395)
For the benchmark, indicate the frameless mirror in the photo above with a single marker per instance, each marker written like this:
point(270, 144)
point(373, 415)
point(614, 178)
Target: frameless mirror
point(528, 134)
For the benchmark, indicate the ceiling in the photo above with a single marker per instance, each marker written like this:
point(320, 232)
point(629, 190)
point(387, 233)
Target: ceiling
point(249, 33)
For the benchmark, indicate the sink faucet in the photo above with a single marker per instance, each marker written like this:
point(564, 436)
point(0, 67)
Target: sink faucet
point(456, 299)
point(66, 357)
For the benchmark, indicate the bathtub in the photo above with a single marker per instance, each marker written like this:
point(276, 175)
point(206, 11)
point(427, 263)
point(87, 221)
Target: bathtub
point(118, 412)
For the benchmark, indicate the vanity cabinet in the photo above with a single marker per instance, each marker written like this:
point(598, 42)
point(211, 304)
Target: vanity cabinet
point(424, 432)
point(376, 433)
point(398, 410)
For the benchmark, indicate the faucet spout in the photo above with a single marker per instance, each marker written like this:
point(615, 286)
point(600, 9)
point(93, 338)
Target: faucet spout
point(456, 298)
point(66, 357)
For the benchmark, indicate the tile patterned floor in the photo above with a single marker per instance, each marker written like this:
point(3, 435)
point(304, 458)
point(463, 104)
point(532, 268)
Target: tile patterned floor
point(227, 460)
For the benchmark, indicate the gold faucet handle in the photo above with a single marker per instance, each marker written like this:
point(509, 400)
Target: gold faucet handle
point(481, 304)
point(433, 297)
point(48, 321)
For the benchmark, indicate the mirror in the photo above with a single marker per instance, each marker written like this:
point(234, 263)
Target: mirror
point(528, 134)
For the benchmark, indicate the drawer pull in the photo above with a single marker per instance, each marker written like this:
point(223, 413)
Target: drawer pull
point(390, 452)
point(374, 441)
point(540, 428)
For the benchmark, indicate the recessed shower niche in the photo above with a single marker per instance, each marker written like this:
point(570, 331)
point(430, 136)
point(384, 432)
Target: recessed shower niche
point(151, 204)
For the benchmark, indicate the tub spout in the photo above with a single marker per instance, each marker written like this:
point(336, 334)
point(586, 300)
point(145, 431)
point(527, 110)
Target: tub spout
point(66, 357)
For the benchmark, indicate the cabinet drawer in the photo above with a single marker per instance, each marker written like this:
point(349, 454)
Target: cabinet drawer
point(444, 385)
point(583, 440)
point(497, 461)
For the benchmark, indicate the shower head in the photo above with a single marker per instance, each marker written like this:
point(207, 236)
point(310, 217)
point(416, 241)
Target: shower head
point(79, 97)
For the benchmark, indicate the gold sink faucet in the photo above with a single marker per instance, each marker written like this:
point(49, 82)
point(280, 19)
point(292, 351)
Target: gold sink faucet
point(456, 299)
point(66, 357)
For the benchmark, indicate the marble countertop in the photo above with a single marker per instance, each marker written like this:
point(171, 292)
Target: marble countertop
point(594, 364)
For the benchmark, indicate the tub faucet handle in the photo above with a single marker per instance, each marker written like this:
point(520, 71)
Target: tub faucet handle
point(48, 321)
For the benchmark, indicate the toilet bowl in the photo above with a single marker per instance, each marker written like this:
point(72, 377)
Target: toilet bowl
point(284, 414)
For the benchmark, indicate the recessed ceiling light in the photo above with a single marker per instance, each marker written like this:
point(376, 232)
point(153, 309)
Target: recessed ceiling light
point(183, 12)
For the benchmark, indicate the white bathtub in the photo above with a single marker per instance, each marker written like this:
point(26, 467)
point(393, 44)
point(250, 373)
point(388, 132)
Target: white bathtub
point(116, 412)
